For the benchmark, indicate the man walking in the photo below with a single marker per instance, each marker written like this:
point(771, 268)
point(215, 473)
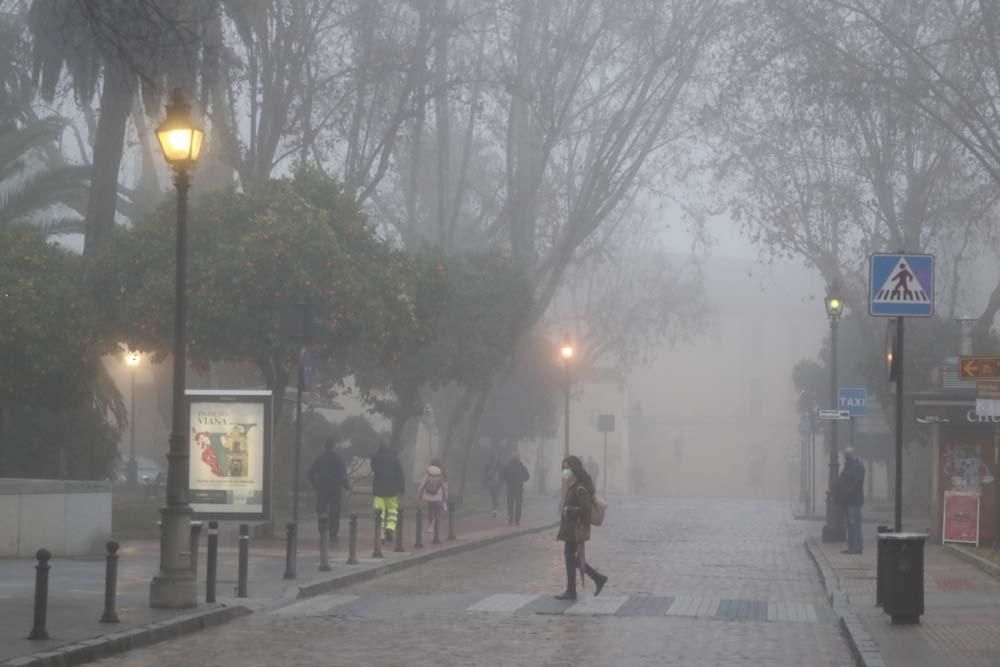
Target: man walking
point(328, 476)
point(514, 476)
point(850, 489)
point(387, 485)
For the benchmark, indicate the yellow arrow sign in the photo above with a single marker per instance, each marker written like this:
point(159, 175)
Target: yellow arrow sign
point(979, 368)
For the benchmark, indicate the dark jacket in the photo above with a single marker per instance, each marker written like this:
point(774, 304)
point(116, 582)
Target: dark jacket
point(851, 485)
point(574, 522)
point(327, 474)
point(388, 474)
point(515, 474)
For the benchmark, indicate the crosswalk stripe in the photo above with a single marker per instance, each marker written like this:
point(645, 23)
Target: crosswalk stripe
point(317, 605)
point(504, 602)
point(604, 606)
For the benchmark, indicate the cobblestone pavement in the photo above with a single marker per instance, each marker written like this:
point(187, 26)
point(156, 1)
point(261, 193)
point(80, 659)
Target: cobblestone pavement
point(693, 582)
point(961, 622)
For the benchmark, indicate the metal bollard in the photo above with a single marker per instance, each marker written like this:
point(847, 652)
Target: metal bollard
point(213, 561)
point(241, 584)
point(377, 551)
point(436, 521)
point(352, 553)
point(324, 543)
point(399, 532)
point(451, 524)
point(195, 546)
point(291, 550)
point(110, 584)
point(419, 543)
point(38, 631)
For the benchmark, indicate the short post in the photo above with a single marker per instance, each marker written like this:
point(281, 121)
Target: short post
point(377, 551)
point(399, 531)
point(244, 563)
point(290, 550)
point(451, 523)
point(195, 546)
point(419, 543)
point(352, 547)
point(110, 584)
point(38, 631)
point(436, 523)
point(324, 543)
point(213, 561)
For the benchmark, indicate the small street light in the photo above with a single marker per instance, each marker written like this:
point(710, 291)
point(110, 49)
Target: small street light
point(174, 586)
point(567, 352)
point(132, 360)
point(834, 529)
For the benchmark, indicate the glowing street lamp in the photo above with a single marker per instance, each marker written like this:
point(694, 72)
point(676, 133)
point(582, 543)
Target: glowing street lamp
point(833, 530)
point(132, 360)
point(567, 352)
point(173, 587)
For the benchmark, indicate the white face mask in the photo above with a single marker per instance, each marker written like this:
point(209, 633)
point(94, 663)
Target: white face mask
point(566, 474)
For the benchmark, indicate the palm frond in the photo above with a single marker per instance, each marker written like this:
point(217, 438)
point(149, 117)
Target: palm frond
point(16, 144)
point(66, 185)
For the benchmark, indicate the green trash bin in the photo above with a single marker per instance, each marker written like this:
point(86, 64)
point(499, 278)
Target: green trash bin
point(903, 575)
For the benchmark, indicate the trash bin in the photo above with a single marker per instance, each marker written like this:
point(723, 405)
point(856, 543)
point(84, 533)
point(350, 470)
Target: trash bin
point(880, 567)
point(903, 575)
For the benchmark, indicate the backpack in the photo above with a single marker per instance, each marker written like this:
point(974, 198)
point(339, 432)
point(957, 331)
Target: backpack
point(432, 486)
point(598, 508)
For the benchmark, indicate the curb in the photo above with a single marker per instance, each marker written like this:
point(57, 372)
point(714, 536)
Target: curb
point(144, 635)
point(972, 559)
point(327, 585)
point(863, 646)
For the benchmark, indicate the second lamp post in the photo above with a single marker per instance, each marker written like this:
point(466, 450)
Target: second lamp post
point(566, 351)
point(833, 529)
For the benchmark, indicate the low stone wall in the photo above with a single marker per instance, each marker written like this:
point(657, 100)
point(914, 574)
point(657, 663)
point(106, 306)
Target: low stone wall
point(69, 518)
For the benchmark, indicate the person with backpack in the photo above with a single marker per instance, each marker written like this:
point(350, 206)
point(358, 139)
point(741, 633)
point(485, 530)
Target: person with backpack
point(493, 481)
point(574, 526)
point(328, 476)
point(433, 490)
point(514, 476)
point(387, 485)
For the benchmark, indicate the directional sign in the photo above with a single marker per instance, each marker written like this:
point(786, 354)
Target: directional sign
point(834, 415)
point(979, 368)
point(901, 286)
point(988, 390)
point(606, 423)
point(853, 400)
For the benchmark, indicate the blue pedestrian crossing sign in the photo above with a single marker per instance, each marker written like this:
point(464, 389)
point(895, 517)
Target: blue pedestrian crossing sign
point(901, 285)
point(853, 399)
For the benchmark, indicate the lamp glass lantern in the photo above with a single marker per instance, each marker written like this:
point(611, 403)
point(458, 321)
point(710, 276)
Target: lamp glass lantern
point(179, 136)
point(566, 351)
point(132, 358)
point(834, 306)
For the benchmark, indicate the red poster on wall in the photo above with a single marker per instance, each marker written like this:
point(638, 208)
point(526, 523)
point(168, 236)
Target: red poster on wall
point(961, 517)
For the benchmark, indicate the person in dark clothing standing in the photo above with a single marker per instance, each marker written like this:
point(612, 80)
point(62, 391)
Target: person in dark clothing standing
point(514, 476)
point(850, 492)
point(328, 477)
point(574, 526)
point(387, 486)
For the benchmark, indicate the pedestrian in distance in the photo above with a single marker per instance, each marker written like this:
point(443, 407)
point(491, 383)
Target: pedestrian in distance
point(514, 477)
point(388, 484)
point(493, 481)
point(328, 477)
point(433, 490)
point(574, 527)
point(851, 496)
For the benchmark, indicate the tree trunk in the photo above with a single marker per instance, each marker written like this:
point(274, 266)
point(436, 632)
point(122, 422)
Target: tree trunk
point(473, 436)
point(116, 105)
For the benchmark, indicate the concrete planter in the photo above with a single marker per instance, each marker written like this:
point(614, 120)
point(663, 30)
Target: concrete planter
point(69, 518)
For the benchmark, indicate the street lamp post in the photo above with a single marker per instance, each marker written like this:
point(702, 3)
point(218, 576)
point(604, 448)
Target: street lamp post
point(132, 360)
point(566, 352)
point(833, 530)
point(174, 586)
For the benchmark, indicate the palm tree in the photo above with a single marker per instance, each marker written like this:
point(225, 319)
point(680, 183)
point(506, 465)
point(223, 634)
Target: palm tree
point(35, 190)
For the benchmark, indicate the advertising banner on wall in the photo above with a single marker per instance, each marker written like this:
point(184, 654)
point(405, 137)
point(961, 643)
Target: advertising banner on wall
point(961, 517)
point(229, 467)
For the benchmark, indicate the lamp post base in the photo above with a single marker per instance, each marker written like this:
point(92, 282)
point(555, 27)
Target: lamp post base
point(175, 586)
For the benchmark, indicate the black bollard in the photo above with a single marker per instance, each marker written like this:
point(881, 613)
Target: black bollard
point(352, 552)
point(213, 561)
point(241, 584)
point(324, 543)
point(38, 631)
point(110, 584)
point(451, 524)
point(436, 524)
point(195, 546)
point(399, 531)
point(419, 543)
point(377, 551)
point(291, 549)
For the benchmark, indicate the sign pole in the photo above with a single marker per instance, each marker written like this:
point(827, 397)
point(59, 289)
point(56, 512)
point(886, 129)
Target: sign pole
point(899, 425)
point(604, 479)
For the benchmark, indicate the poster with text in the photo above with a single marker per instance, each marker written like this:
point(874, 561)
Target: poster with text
point(230, 451)
point(961, 517)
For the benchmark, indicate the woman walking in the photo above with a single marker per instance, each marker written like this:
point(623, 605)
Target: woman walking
point(574, 526)
point(433, 490)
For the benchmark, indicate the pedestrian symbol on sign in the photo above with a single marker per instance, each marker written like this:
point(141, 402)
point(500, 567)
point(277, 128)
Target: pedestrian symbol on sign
point(901, 286)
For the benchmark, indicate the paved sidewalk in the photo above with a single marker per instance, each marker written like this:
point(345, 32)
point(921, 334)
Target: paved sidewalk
point(76, 586)
point(961, 622)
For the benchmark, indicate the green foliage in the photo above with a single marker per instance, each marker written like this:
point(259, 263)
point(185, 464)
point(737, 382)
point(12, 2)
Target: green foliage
point(55, 395)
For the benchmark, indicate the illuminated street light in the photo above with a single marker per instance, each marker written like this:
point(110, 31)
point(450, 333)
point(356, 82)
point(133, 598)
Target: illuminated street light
point(833, 529)
point(132, 360)
point(566, 351)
